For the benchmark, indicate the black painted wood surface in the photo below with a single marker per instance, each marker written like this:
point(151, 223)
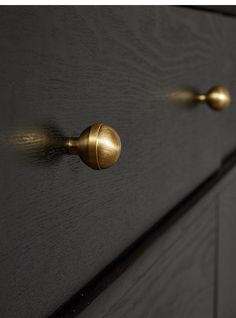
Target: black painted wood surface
point(85, 296)
point(227, 10)
point(188, 271)
point(226, 260)
point(172, 279)
point(61, 223)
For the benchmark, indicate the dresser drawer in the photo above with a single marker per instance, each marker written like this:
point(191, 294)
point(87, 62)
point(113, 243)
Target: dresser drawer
point(174, 278)
point(62, 222)
point(187, 271)
point(226, 260)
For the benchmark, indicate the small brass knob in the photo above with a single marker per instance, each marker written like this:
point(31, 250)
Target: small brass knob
point(98, 146)
point(218, 98)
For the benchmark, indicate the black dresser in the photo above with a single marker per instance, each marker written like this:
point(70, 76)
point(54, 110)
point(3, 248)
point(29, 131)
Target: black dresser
point(148, 92)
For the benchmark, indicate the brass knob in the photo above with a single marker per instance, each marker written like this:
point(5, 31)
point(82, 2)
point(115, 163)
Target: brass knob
point(218, 98)
point(98, 146)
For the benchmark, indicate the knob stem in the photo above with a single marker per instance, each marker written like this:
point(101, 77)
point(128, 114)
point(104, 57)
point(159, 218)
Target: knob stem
point(72, 145)
point(218, 98)
point(98, 146)
point(201, 98)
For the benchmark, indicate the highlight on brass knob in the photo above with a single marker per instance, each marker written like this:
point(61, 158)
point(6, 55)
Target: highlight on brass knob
point(98, 146)
point(218, 98)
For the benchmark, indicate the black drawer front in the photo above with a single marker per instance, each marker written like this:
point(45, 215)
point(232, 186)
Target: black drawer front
point(61, 223)
point(226, 259)
point(174, 278)
point(188, 271)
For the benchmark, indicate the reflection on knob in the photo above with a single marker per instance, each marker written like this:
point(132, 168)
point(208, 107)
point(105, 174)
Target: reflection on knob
point(98, 146)
point(218, 98)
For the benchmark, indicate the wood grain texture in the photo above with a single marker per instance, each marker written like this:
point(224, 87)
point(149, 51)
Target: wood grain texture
point(173, 279)
point(189, 271)
point(226, 261)
point(85, 296)
point(228, 10)
point(60, 222)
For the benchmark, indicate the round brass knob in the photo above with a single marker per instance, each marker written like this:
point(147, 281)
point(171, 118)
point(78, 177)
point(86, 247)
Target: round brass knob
point(218, 98)
point(98, 146)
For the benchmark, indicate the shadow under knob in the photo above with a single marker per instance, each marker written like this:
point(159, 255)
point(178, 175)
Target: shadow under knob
point(98, 146)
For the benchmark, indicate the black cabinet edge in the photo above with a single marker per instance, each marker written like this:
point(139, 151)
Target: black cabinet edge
point(84, 297)
point(225, 10)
